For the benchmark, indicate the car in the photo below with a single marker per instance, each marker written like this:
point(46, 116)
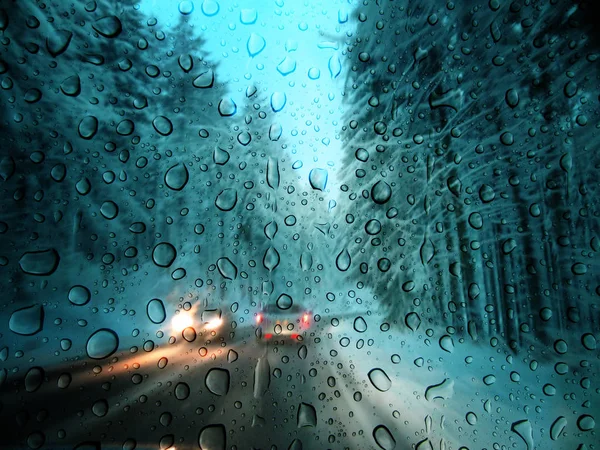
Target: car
point(276, 322)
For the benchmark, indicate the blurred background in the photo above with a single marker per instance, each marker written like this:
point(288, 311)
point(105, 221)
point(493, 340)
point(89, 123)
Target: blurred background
point(299, 224)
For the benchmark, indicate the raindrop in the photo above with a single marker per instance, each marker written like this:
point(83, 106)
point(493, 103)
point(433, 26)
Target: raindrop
point(71, 86)
point(162, 125)
point(177, 177)
point(164, 254)
point(109, 26)
point(212, 437)
point(381, 192)
point(109, 210)
point(210, 8)
point(380, 380)
point(88, 127)
point(155, 309)
point(226, 200)
point(271, 259)
point(343, 260)
point(102, 343)
point(227, 269)
point(360, 325)
point(79, 295)
point(383, 437)
point(284, 302)
point(256, 44)
point(27, 321)
point(443, 390)
point(182, 390)
point(205, 80)
point(307, 415)
point(34, 379)
point(318, 179)
point(40, 263)
point(278, 101)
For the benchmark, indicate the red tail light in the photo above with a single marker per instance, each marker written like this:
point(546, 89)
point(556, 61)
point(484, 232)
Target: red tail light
point(268, 336)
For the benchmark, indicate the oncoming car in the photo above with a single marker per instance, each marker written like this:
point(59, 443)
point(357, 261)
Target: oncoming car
point(274, 322)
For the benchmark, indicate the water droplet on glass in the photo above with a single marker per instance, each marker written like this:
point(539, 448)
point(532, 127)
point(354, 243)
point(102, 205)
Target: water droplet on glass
point(318, 179)
point(262, 377)
point(557, 427)
point(380, 380)
point(271, 259)
point(177, 177)
point(182, 391)
point(381, 192)
point(217, 381)
point(307, 415)
point(343, 260)
point(213, 437)
point(109, 210)
point(34, 379)
point(155, 309)
point(108, 26)
point(524, 430)
point(278, 101)
point(164, 254)
point(360, 325)
point(227, 269)
point(284, 302)
point(384, 438)
point(88, 127)
point(210, 8)
point(102, 343)
point(58, 41)
point(226, 200)
point(443, 390)
point(162, 125)
point(256, 44)
point(79, 295)
point(27, 321)
point(40, 263)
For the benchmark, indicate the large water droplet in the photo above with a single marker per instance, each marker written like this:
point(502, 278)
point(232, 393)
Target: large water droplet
point(79, 295)
point(164, 254)
point(524, 430)
point(273, 173)
point(155, 309)
point(343, 260)
point(383, 437)
point(256, 44)
point(227, 269)
point(210, 8)
point(58, 42)
point(177, 177)
point(443, 390)
point(213, 437)
point(109, 210)
point(217, 381)
point(307, 415)
point(360, 325)
point(380, 380)
point(40, 263)
point(71, 86)
point(205, 80)
point(34, 379)
point(109, 26)
point(318, 179)
point(557, 427)
point(27, 321)
point(226, 200)
point(162, 125)
point(271, 259)
point(88, 127)
point(381, 192)
point(278, 101)
point(102, 343)
point(262, 377)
